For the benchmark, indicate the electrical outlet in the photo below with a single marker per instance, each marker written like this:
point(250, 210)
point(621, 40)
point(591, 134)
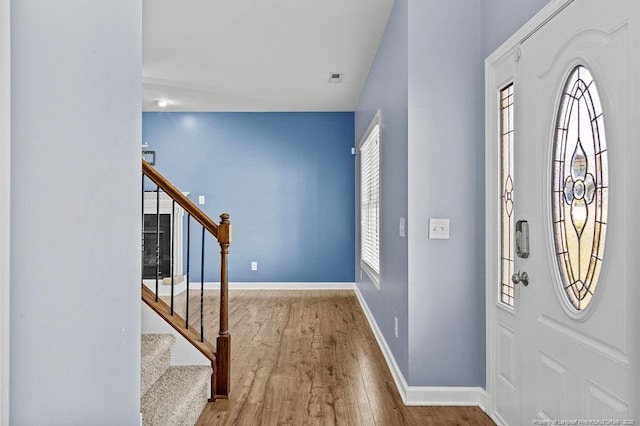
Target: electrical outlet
point(254, 266)
point(401, 227)
point(201, 199)
point(395, 326)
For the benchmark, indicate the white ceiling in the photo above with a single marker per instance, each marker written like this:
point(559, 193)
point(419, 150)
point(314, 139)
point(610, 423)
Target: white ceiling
point(258, 55)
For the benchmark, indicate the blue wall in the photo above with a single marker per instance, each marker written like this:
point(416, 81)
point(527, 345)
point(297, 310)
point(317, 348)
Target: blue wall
point(502, 18)
point(427, 78)
point(446, 153)
point(286, 179)
point(386, 89)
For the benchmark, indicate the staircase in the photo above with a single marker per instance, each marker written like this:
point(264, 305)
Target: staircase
point(171, 395)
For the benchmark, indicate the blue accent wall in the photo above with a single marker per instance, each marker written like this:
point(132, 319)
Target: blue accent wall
point(286, 179)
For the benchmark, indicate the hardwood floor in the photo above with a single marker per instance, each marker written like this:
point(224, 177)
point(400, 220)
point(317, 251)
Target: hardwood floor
point(308, 358)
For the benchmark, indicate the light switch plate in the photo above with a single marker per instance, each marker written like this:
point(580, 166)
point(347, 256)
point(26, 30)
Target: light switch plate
point(438, 229)
point(200, 199)
point(401, 227)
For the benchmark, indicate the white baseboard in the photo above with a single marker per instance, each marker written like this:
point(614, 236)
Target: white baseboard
point(398, 377)
point(275, 286)
point(421, 395)
point(445, 395)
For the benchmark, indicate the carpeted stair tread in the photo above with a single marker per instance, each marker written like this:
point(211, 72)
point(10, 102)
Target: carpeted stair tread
point(155, 358)
point(177, 397)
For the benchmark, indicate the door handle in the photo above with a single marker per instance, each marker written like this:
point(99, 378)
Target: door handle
point(520, 277)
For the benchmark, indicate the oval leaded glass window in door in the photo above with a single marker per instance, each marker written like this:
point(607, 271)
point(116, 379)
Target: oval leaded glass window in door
point(580, 187)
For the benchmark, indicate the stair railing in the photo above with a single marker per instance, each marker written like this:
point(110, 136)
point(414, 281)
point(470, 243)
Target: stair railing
point(220, 357)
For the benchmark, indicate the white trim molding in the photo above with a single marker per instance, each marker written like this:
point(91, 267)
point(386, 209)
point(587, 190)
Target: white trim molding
point(446, 396)
point(421, 395)
point(195, 285)
point(5, 204)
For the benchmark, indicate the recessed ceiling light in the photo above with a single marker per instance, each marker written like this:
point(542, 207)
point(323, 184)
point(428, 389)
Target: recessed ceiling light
point(335, 77)
point(162, 103)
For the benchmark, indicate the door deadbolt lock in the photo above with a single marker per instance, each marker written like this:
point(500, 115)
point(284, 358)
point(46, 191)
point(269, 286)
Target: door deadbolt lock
point(522, 239)
point(520, 278)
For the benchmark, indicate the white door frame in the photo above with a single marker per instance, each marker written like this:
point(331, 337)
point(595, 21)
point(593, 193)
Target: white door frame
point(492, 185)
point(5, 199)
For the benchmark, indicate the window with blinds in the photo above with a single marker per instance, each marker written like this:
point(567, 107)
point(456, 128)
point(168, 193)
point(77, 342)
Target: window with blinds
point(370, 202)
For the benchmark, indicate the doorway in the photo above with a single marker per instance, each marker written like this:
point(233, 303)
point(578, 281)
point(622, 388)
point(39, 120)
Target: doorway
point(562, 208)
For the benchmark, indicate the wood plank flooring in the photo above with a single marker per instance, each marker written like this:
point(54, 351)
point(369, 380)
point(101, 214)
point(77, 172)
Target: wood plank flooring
point(308, 358)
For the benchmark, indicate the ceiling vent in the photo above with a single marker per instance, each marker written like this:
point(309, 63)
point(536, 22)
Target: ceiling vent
point(335, 77)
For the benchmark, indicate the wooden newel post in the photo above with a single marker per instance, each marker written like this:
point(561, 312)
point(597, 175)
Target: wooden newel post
point(223, 356)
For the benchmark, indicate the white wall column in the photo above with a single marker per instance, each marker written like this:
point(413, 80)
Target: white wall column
point(75, 212)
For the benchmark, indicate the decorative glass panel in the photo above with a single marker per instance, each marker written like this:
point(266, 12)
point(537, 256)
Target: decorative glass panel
point(506, 197)
point(579, 188)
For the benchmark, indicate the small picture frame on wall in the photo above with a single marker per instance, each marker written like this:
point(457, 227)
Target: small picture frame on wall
point(149, 157)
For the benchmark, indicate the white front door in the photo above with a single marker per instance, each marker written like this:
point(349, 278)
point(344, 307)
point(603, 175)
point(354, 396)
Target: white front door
point(568, 347)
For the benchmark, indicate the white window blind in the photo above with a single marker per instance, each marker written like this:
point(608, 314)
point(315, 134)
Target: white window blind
point(370, 203)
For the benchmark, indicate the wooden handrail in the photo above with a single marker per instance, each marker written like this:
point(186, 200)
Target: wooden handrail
point(180, 198)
